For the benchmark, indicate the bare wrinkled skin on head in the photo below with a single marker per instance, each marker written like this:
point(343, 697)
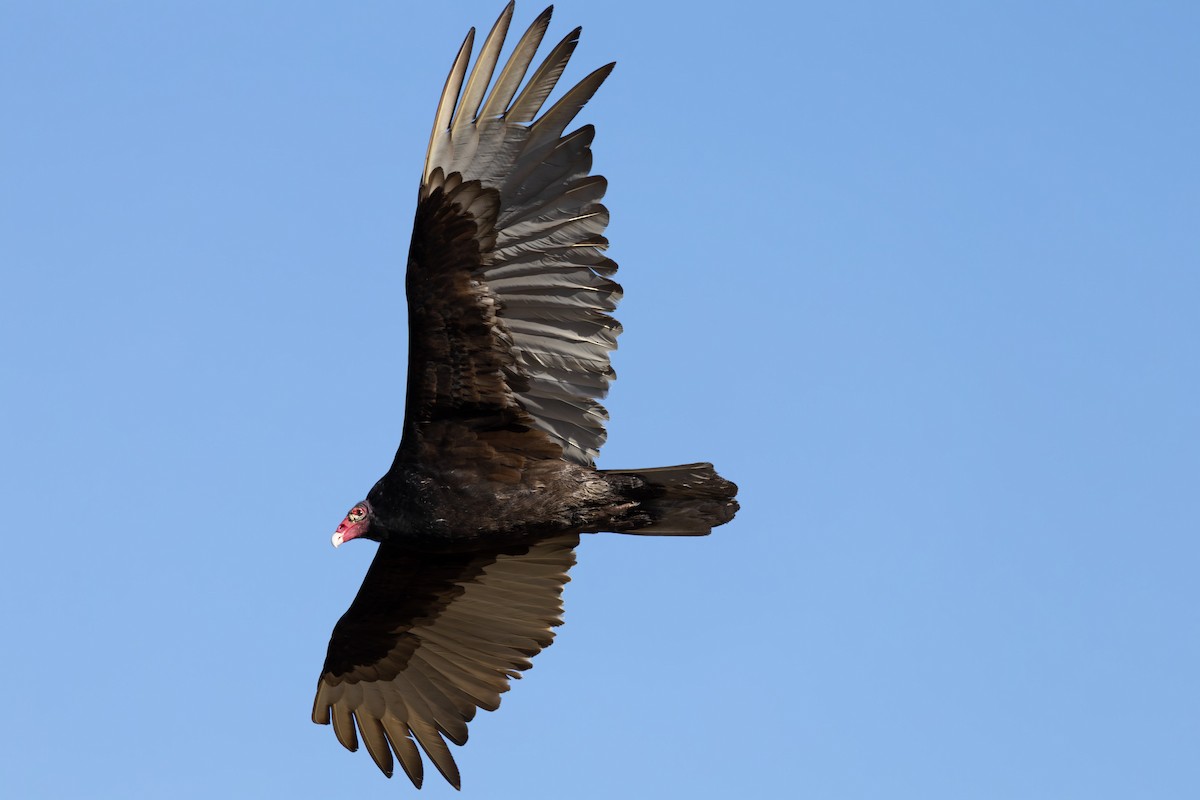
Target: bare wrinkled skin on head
point(356, 523)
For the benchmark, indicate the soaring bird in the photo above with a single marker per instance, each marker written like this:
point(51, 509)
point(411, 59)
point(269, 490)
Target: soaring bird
point(510, 298)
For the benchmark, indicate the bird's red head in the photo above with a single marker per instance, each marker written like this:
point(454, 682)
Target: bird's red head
point(356, 523)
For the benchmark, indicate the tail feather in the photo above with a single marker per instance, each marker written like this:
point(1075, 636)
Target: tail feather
point(686, 500)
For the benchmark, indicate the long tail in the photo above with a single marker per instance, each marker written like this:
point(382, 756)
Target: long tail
point(687, 500)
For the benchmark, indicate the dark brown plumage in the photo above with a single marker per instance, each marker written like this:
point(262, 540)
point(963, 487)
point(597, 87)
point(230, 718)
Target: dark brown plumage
point(509, 302)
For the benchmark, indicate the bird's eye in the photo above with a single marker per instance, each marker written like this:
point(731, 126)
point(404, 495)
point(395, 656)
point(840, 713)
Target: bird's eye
point(356, 514)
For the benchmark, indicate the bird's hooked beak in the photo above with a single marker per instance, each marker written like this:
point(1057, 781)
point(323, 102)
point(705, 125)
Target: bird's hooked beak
point(355, 524)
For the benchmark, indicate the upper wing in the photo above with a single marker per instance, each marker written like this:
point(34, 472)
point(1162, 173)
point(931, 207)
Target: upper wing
point(509, 292)
point(432, 637)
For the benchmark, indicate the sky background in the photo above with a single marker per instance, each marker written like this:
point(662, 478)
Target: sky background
point(921, 277)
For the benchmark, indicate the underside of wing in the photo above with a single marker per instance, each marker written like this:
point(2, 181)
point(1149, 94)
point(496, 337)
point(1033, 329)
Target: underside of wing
point(534, 290)
point(430, 639)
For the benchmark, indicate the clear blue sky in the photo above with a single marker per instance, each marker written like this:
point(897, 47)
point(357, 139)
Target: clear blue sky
point(922, 277)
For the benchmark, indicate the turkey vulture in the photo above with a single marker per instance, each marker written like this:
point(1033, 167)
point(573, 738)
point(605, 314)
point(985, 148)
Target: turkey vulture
point(509, 301)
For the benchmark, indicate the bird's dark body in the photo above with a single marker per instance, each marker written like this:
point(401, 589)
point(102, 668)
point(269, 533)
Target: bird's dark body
point(510, 297)
point(428, 507)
